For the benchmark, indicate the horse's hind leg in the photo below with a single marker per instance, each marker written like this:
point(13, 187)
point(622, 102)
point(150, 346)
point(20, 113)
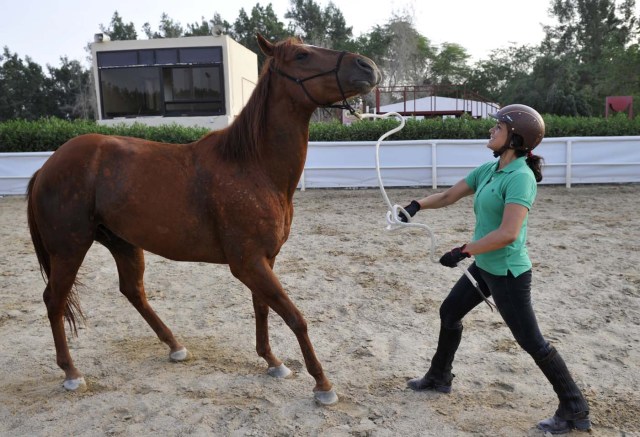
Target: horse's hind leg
point(130, 263)
point(56, 296)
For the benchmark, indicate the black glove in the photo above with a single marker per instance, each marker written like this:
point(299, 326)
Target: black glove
point(411, 208)
point(452, 258)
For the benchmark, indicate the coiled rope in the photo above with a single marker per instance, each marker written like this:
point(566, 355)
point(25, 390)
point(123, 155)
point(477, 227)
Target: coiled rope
point(393, 210)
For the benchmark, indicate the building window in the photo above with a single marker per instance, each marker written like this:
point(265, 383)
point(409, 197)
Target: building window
point(130, 92)
point(192, 90)
point(168, 82)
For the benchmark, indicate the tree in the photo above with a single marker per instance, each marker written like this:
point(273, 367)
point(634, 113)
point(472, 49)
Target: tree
point(591, 35)
point(118, 30)
point(24, 89)
point(262, 20)
point(205, 28)
point(408, 53)
point(491, 77)
point(306, 18)
point(71, 90)
point(337, 32)
point(374, 44)
point(167, 29)
point(552, 87)
point(624, 78)
point(449, 65)
point(322, 27)
point(589, 28)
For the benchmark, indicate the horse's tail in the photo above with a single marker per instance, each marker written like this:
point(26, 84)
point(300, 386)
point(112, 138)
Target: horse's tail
point(41, 252)
point(72, 310)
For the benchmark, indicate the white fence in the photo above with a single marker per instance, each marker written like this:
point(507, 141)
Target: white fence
point(17, 168)
point(571, 160)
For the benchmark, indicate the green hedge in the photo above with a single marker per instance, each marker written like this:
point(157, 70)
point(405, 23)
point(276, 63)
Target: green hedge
point(48, 134)
point(371, 130)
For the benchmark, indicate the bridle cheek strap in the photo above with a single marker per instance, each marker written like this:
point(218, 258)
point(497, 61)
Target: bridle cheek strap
point(343, 105)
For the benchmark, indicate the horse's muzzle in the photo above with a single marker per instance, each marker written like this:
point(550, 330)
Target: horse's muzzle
point(367, 75)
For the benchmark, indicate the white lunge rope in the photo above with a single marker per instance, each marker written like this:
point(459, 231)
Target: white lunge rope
point(393, 220)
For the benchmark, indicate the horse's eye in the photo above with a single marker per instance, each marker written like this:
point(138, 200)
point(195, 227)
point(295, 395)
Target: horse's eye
point(301, 56)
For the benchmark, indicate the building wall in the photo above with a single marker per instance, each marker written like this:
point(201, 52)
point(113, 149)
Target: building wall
point(242, 73)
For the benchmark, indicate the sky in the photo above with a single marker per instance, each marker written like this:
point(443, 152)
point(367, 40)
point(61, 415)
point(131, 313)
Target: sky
point(46, 30)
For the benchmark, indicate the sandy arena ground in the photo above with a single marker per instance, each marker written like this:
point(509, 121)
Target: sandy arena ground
point(371, 299)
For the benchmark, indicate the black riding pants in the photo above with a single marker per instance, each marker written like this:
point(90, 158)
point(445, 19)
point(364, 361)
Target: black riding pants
point(512, 297)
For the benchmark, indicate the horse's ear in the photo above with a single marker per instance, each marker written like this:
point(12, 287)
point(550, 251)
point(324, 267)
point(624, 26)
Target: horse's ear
point(265, 46)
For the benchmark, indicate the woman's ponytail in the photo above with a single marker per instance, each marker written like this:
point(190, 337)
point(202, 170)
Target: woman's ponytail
point(533, 161)
point(535, 164)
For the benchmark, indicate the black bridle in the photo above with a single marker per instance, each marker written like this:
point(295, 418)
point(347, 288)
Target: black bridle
point(343, 105)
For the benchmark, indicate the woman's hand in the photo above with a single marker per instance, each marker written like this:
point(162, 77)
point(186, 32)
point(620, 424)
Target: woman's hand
point(454, 256)
point(411, 208)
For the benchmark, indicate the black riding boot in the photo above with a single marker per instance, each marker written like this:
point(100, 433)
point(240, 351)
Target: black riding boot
point(439, 376)
point(573, 411)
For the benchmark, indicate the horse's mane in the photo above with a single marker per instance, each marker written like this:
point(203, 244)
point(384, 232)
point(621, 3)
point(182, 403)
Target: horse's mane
point(240, 142)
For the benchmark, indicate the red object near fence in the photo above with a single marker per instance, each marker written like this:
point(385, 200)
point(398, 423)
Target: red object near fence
point(619, 104)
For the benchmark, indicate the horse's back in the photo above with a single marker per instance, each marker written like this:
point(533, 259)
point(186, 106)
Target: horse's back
point(73, 170)
point(81, 156)
point(90, 159)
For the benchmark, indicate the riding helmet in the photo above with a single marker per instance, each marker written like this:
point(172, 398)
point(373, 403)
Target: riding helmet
point(524, 121)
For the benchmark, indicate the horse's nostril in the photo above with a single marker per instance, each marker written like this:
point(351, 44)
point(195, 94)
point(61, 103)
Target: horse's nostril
point(364, 64)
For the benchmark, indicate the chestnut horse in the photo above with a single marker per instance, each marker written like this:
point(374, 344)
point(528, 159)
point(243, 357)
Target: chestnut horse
point(224, 199)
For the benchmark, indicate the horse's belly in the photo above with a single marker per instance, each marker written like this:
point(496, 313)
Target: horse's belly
point(175, 238)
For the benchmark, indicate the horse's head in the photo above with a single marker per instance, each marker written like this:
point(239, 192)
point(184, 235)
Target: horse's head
point(322, 76)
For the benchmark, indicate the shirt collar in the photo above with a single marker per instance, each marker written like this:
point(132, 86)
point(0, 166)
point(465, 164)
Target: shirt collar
point(513, 165)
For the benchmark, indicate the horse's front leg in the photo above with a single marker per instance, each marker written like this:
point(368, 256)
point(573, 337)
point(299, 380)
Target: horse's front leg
point(259, 277)
point(276, 367)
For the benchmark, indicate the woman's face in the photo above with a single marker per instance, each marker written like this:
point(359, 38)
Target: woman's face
point(498, 138)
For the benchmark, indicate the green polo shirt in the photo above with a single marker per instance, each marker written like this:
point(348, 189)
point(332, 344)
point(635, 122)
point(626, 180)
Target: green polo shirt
point(493, 190)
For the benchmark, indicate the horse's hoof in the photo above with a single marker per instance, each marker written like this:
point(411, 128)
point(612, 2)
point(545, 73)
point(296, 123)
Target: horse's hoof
point(179, 355)
point(326, 397)
point(77, 384)
point(280, 371)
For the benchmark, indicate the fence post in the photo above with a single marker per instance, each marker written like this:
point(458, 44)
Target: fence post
point(569, 162)
point(434, 167)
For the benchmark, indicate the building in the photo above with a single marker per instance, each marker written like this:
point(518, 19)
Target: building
point(436, 106)
point(421, 101)
point(192, 81)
